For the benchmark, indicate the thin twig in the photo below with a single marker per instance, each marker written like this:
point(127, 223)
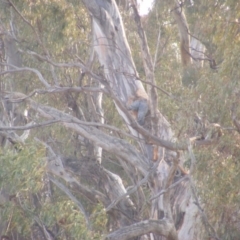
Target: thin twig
point(162, 90)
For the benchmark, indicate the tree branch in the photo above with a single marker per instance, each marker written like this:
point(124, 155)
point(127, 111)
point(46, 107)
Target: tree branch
point(23, 69)
point(161, 227)
point(112, 144)
point(55, 166)
point(71, 196)
point(30, 125)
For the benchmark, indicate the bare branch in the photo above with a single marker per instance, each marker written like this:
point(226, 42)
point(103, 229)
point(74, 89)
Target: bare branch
point(30, 125)
point(162, 227)
point(132, 190)
point(23, 69)
point(57, 89)
point(70, 195)
point(79, 64)
point(152, 170)
point(109, 143)
point(162, 90)
point(12, 137)
point(55, 166)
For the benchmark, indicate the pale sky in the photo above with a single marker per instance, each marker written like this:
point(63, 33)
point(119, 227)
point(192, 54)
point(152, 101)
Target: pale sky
point(144, 6)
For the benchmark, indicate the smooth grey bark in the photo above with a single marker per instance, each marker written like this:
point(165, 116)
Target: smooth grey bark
point(115, 56)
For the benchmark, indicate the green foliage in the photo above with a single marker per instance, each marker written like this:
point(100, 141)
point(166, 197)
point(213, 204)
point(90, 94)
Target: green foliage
point(22, 174)
point(22, 169)
point(71, 221)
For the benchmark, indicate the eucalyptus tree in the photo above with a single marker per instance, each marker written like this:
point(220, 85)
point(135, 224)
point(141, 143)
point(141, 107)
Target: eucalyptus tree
point(83, 132)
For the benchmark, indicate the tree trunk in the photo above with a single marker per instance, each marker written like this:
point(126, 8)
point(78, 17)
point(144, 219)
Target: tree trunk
point(115, 57)
point(173, 214)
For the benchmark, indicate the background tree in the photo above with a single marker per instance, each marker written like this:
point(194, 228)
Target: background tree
point(77, 161)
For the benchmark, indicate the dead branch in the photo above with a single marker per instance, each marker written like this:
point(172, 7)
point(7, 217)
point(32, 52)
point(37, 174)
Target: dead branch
point(23, 69)
point(112, 144)
point(55, 167)
point(134, 188)
point(162, 227)
point(72, 197)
